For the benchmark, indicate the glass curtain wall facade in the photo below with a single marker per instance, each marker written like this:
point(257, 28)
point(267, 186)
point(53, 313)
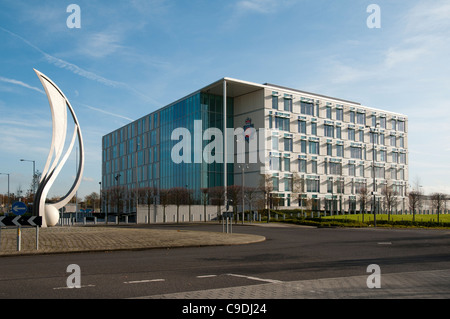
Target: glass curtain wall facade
point(138, 155)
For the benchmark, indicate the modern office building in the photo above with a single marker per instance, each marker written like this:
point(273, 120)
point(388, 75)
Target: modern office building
point(333, 147)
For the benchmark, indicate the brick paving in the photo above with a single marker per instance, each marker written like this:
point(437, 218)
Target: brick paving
point(408, 285)
point(106, 238)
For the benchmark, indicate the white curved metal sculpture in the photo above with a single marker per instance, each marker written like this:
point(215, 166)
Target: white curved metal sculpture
point(56, 160)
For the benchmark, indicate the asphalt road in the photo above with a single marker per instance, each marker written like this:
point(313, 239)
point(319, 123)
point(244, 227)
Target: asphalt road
point(288, 254)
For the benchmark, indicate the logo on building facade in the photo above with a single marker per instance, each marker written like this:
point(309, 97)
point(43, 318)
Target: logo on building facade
point(249, 129)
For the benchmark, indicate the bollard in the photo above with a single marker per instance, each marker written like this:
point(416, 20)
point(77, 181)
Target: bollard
point(37, 237)
point(19, 238)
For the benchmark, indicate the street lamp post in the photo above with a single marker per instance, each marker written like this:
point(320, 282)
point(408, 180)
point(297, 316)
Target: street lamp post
point(373, 172)
point(34, 173)
point(7, 209)
point(100, 197)
point(243, 167)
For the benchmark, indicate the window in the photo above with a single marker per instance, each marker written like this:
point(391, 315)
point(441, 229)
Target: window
point(329, 149)
point(286, 164)
point(313, 185)
point(393, 173)
point(328, 114)
point(306, 108)
point(274, 163)
point(302, 165)
point(382, 156)
point(361, 118)
point(276, 184)
point(314, 166)
point(303, 146)
point(270, 121)
point(401, 173)
point(402, 158)
point(383, 122)
point(287, 184)
point(351, 170)
point(361, 136)
point(335, 168)
point(393, 141)
point(328, 130)
point(351, 134)
point(401, 126)
point(339, 114)
point(355, 152)
point(302, 127)
point(361, 170)
point(288, 104)
point(275, 143)
point(394, 124)
point(282, 123)
point(352, 116)
point(340, 150)
point(340, 186)
point(313, 147)
point(381, 139)
point(330, 186)
point(314, 128)
point(359, 185)
point(379, 172)
point(288, 144)
point(374, 120)
point(275, 102)
point(373, 136)
point(338, 132)
point(401, 141)
point(394, 157)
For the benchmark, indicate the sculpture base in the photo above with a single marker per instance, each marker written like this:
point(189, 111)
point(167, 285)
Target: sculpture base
point(51, 215)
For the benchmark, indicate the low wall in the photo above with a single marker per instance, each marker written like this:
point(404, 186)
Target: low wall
point(159, 214)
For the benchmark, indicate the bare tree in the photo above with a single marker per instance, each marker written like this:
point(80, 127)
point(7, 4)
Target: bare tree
point(146, 195)
point(178, 196)
point(364, 198)
point(266, 188)
point(414, 201)
point(117, 195)
point(438, 201)
point(251, 194)
point(390, 198)
point(216, 196)
point(234, 194)
point(298, 188)
point(205, 195)
point(164, 200)
point(92, 200)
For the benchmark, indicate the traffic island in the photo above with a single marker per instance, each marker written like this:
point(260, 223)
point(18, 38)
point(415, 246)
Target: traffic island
point(98, 239)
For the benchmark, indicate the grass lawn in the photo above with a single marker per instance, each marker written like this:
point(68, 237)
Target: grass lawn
point(443, 218)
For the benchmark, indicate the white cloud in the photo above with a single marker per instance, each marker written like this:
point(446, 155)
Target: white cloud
point(100, 44)
point(20, 83)
point(260, 6)
point(82, 72)
point(106, 112)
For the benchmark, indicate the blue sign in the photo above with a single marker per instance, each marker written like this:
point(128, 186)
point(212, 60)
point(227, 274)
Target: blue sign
point(19, 208)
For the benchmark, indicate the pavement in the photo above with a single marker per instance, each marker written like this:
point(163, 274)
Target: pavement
point(71, 239)
point(434, 284)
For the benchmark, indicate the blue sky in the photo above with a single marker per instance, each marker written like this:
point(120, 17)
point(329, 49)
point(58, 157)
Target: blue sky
point(130, 58)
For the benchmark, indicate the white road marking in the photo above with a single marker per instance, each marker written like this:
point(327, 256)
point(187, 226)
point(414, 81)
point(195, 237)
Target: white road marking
point(143, 281)
point(385, 243)
point(273, 281)
point(86, 286)
point(207, 276)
